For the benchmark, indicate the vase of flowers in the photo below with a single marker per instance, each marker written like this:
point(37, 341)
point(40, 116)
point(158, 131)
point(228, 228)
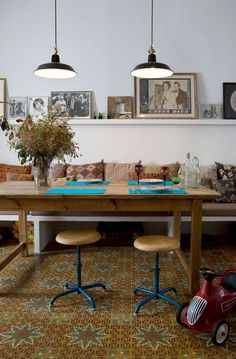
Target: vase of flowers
point(41, 142)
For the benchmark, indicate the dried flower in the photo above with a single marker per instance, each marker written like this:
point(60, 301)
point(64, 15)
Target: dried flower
point(42, 141)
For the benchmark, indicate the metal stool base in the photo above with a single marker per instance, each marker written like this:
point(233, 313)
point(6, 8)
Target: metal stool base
point(155, 294)
point(72, 288)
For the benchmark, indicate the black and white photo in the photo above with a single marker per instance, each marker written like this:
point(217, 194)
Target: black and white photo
point(173, 97)
point(210, 111)
point(38, 107)
point(229, 100)
point(17, 107)
point(74, 104)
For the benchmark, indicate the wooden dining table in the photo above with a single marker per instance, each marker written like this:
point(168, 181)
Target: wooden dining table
point(23, 197)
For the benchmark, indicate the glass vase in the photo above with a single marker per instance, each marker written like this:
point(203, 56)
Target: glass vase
point(41, 175)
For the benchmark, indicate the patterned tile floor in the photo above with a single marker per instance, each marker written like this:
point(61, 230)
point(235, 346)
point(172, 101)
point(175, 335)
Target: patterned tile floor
point(30, 329)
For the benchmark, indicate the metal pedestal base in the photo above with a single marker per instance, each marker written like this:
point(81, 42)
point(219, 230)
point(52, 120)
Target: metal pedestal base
point(155, 294)
point(72, 288)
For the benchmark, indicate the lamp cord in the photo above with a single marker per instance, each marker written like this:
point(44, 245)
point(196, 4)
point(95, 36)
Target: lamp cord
point(151, 23)
point(56, 27)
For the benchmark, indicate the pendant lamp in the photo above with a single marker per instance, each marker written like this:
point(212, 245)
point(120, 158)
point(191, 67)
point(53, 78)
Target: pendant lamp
point(152, 69)
point(55, 69)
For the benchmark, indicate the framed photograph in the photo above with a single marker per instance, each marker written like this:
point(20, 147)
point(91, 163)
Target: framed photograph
point(75, 104)
point(2, 98)
point(210, 111)
point(172, 97)
point(229, 99)
point(17, 107)
point(120, 106)
point(38, 107)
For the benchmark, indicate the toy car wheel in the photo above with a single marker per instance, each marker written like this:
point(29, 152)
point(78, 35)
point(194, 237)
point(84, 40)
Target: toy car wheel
point(181, 314)
point(220, 332)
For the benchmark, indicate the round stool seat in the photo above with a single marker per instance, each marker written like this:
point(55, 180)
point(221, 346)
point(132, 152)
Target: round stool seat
point(156, 243)
point(78, 237)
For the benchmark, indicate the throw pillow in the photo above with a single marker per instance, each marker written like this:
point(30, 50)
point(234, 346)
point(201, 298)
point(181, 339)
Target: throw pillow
point(118, 172)
point(86, 171)
point(57, 170)
point(19, 177)
point(225, 171)
point(154, 171)
point(12, 169)
point(227, 189)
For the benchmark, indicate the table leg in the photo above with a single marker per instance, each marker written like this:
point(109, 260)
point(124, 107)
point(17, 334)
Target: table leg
point(177, 225)
point(195, 246)
point(23, 235)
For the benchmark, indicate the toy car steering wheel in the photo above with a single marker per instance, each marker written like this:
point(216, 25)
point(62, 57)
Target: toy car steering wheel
point(209, 274)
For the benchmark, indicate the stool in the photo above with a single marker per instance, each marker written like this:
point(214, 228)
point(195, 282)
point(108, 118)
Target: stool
point(156, 243)
point(79, 238)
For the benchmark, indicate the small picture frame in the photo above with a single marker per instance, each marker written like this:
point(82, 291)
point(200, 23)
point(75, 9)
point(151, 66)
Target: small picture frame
point(2, 97)
point(174, 97)
point(74, 104)
point(38, 107)
point(17, 107)
point(120, 106)
point(213, 111)
point(229, 100)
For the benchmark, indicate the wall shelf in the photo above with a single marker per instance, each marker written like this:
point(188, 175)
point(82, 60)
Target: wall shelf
point(135, 121)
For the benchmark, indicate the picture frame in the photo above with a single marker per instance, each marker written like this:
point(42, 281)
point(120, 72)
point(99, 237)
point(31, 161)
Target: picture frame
point(2, 97)
point(120, 106)
point(38, 107)
point(174, 97)
point(17, 107)
point(75, 104)
point(229, 100)
point(210, 111)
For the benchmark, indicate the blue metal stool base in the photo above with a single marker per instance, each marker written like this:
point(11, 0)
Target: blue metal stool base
point(72, 288)
point(155, 294)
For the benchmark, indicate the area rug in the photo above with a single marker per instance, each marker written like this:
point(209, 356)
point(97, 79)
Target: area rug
point(30, 329)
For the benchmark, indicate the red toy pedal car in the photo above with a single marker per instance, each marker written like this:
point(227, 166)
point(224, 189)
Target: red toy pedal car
point(209, 308)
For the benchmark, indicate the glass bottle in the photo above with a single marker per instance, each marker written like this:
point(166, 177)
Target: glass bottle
point(188, 164)
point(196, 178)
point(182, 175)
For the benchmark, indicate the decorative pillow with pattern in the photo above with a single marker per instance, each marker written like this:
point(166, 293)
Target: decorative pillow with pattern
point(12, 169)
point(155, 171)
point(227, 189)
point(19, 177)
point(118, 172)
point(86, 171)
point(57, 170)
point(225, 171)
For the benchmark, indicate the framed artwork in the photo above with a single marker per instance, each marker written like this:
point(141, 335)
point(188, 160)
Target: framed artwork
point(38, 107)
point(172, 97)
point(229, 99)
point(120, 106)
point(75, 104)
point(210, 111)
point(17, 107)
point(2, 97)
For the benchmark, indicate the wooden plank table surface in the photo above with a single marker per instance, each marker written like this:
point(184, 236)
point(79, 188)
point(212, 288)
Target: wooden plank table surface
point(24, 197)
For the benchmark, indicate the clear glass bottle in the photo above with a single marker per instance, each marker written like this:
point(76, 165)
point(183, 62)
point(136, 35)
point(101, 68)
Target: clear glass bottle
point(182, 175)
point(196, 178)
point(188, 164)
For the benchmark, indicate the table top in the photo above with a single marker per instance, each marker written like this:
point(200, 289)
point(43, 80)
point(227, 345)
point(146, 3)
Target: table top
point(21, 189)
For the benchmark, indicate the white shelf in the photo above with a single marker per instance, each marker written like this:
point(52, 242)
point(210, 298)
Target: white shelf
point(137, 121)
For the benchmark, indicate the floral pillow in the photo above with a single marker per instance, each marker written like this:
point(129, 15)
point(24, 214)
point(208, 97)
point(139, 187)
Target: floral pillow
point(86, 171)
point(225, 171)
point(227, 189)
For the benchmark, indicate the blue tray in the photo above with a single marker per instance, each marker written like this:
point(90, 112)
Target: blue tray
point(83, 183)
point(76, 191)
point(156, 191)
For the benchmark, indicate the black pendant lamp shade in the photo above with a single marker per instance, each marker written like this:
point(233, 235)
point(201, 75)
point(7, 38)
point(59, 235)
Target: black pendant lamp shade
point(152, 69)
point(55, 69)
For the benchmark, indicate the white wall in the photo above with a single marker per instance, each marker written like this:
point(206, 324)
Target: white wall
point(103, 40)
